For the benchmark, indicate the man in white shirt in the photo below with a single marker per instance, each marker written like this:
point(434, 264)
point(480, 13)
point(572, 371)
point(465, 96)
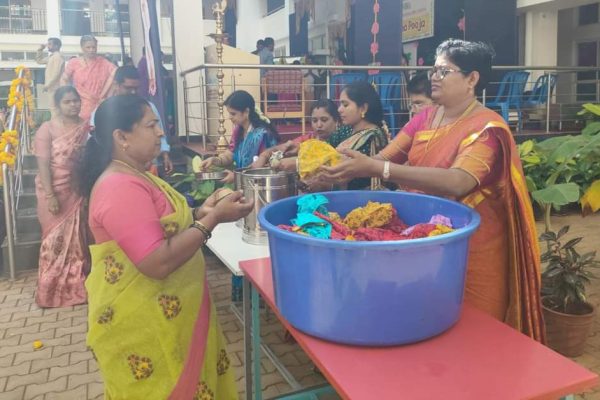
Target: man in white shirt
point(55, 64)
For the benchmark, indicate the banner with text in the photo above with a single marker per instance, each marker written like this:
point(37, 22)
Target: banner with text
point(417, 19)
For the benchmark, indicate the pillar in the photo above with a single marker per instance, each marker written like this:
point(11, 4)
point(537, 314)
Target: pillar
point(53, 18)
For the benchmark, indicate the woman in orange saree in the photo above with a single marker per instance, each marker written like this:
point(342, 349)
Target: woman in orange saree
point(462, 150)
point(64, 259)
point(92, 75)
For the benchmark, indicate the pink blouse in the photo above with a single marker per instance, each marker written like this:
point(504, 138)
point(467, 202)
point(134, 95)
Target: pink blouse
point(127, 209)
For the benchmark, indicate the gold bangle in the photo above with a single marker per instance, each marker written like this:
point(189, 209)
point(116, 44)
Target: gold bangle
point(202, 228)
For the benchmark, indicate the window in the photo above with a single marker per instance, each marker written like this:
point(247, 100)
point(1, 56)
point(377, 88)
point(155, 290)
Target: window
point(316, 43)
point(588, 14)
point(12, 56)
point(274, 6)
point(587, 81)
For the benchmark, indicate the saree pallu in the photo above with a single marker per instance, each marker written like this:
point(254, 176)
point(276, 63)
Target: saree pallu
point(90, 77)
point(369, 142)
point(244, 149)
point(156, 339)
point(503, 275)
point(64, 258)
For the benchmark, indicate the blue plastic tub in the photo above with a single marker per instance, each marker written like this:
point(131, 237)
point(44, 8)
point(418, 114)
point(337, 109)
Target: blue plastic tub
point(371, 293)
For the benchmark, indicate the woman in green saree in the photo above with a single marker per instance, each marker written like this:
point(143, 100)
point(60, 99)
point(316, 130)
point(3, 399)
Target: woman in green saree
point(152, 326)
point(361, 114)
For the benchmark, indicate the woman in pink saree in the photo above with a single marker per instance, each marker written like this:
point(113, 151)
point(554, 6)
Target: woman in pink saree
point(91, 75)
point(64, 260)
point(151, 322)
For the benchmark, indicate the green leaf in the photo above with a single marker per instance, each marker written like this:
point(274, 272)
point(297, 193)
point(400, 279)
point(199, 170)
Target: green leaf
point(591, 129)
point(568, 149)
point(593, 108)
point(526, 147)
point(562, 231)
point(557, 195)
point(533, 159)
point(531, 186)
point(548, 236)
point(572, 243)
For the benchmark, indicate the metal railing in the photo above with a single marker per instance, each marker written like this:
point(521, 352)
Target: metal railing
point(95, 22)
point(530, 111)
point(12, 177)
point(22, 19)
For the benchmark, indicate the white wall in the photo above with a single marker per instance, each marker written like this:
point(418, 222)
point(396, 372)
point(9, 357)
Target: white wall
point(189, 40)
point(254, 24)
point(541, 29)
point(547, 5)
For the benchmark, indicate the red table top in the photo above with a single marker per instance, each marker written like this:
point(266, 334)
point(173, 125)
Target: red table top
point(479, 358)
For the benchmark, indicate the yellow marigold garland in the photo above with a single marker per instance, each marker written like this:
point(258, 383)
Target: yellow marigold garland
point(16, 98)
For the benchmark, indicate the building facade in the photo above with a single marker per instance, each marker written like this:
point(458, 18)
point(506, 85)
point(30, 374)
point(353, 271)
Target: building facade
point(26, 24)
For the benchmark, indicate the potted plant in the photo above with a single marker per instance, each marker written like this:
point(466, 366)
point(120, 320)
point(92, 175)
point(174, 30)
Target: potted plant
point(567, 313)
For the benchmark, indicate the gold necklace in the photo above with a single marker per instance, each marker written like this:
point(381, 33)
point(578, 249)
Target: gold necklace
point(464, 114)
point(146, 177)
point(132, 168)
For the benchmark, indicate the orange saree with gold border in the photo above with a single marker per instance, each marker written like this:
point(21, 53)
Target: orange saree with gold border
point(503, 275)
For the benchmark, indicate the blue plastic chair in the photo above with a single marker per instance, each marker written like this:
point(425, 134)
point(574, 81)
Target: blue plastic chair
point(539, 93)
point(388, 86)
point(338, 81)
point(510, 94)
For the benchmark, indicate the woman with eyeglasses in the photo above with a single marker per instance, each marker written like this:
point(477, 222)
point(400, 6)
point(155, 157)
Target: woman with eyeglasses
point(462, 150)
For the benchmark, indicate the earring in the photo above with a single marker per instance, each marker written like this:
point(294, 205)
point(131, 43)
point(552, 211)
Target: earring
point(362, 115)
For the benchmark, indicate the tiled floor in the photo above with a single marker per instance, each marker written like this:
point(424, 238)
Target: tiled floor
point(64, 369)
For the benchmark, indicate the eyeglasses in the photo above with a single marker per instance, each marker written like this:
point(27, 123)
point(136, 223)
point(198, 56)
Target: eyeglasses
point(441, 72)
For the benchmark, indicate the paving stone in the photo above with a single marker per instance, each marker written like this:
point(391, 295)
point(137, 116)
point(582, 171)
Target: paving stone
point(71, 329)
point(41, 319)
point(11, 292)
point(95, 389)
point(77, 356)
point(60, 361)
point(76, 380)
point(58, 350)
point(30, 354)
point(31, 337)
point(15, 381)
point(26, 300)
point(79, 312)
point(10, 346)
point(13, 324)
point(7, 360)
point(53, 325)
point(93, 366)
point(28, 328)
point(8, 303)
point(80, 392)
point(70, 369)
point(3, 383)
point(15, 309)
point(28, 314)
point(78, 337)
point(16, 394)
point(54, 385)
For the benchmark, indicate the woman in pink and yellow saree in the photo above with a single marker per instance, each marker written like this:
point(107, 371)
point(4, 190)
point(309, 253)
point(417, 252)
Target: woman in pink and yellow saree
point(152, 325)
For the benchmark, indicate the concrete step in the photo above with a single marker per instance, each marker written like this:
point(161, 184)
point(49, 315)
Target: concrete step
point(27, 254)
point(28, 179)
point(27, 221)
point(29, 162)
point(27, 199)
